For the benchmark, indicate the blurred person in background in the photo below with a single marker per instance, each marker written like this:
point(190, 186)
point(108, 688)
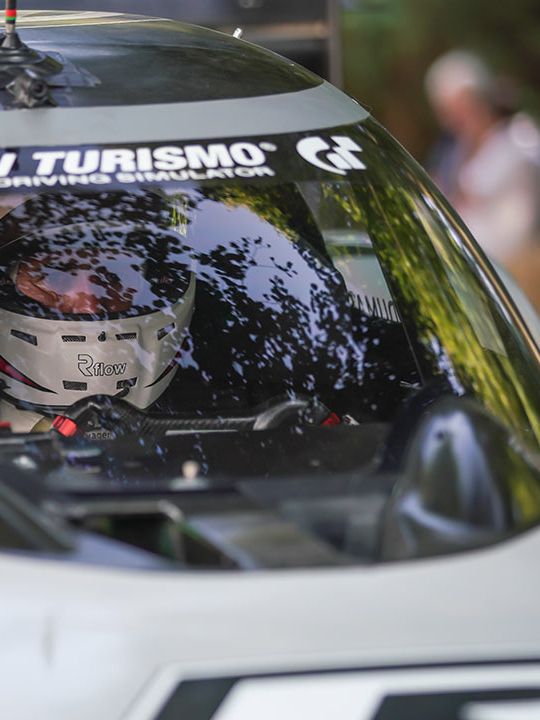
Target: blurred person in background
point(488, 163)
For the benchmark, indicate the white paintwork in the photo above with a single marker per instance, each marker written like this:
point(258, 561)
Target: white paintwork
point(33, 18)
point(86, 643)
point(509, 710)
point(316, 108)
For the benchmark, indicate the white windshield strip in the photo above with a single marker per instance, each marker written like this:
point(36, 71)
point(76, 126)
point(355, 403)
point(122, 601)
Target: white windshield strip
point(321, 107)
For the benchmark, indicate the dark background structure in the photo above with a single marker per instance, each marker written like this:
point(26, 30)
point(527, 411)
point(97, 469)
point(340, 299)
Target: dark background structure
point(308, 31)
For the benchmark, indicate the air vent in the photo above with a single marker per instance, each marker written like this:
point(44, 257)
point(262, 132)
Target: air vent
point(32, 339)
point(73, 338)
point(69, 385)
point(165, 331)
point(127, 336)
point(122, 384)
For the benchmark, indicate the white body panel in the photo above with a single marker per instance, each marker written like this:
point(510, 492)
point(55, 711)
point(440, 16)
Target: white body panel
point(86, 643)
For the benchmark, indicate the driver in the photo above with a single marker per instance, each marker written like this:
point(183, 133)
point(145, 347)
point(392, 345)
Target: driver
point(89, 309)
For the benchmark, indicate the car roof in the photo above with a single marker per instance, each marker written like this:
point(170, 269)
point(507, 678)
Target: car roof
point(141, 60)
point(154, 79)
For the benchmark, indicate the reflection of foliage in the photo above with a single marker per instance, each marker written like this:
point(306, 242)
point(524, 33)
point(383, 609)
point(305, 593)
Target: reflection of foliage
point(340, 201)
point(338, 209)
point(55, 210)
point(281, 206)
point(271, 313)
point(287, 328)
point(122, 239)
point(429, 267)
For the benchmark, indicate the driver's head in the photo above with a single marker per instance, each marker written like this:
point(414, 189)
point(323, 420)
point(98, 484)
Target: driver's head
point(86, 282)
point(89, 310)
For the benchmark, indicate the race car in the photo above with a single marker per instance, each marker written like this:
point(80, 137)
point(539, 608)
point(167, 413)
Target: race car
point(269, 421)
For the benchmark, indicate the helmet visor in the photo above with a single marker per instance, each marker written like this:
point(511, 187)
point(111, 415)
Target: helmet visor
point(82, 280)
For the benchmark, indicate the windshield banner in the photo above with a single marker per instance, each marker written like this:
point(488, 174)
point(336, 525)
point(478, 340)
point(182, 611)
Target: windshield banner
point(308, 156)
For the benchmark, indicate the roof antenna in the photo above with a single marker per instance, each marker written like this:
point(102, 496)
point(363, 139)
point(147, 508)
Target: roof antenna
point(12, 48)
point(11, 40)
point(33, 79)
point(24, 72)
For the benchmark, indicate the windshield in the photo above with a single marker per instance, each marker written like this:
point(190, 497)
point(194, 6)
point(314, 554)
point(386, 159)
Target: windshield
point(236, 277)
point(256, 352)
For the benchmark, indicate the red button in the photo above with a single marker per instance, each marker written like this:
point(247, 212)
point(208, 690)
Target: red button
point(331, 420)
point(64, 426)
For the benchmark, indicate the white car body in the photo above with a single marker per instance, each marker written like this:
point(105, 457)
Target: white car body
point(85, 641)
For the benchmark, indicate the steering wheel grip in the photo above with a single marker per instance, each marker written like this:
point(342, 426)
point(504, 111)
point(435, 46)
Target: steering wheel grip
point(119, 416)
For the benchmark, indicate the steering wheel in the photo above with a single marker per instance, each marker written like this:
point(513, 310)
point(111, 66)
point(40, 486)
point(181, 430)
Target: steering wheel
point(118, 417)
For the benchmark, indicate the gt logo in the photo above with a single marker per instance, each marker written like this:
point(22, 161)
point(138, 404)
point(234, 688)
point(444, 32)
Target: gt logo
point(89, 368)
point(337, 158)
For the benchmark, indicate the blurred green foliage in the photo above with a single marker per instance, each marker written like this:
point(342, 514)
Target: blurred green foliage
point(389, 44)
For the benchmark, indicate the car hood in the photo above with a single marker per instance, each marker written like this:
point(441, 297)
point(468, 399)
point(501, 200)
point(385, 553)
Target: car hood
point(86, 643)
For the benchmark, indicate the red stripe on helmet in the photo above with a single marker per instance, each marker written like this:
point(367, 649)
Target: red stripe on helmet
point(13, 373)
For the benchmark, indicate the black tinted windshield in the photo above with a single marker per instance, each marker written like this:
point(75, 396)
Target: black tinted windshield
point(331, 274)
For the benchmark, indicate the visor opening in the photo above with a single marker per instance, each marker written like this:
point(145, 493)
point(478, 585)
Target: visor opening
point(73, 338)
point(72, 385)
point(129, 383)
point(165, 331)
point(32, 339)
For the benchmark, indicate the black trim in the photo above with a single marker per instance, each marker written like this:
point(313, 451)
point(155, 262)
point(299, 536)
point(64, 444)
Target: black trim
point(27, 337)
point(74, 385)
point(73, 338)
point(196, 699)
point(199, 699)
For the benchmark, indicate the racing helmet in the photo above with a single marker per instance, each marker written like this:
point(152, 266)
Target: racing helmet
point(92, 308)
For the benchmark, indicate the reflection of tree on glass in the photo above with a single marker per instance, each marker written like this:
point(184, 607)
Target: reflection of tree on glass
point(354, 290)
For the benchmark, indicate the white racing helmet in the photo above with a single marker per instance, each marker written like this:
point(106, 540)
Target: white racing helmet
point(92, 309)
